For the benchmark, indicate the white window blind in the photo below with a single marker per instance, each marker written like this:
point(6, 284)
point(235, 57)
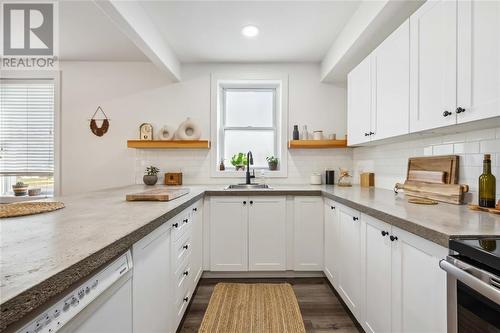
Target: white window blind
point(26, 127)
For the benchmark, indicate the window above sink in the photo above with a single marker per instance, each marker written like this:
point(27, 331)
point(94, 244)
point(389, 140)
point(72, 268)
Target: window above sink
point(249, 113)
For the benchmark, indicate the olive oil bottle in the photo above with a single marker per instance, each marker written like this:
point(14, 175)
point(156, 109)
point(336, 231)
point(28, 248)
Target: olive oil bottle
point(487, 184)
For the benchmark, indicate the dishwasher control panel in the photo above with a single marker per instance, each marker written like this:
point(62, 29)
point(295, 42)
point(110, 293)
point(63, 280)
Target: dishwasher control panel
point(69, 306)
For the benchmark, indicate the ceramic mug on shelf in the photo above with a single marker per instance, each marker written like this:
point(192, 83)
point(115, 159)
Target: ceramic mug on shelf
point(318, 135)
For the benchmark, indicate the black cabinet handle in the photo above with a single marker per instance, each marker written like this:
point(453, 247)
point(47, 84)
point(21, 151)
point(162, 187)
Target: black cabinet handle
point(447, 113)
point(332, 207)
point(186, 299)
point(186, 246)
point(460, 110)
point(195, 209)
point(244, 202)
point(175, 225)
point(185, 220)
point(251, 202)
point(372, 133)
point(393, 238)
point(186, 273)
point(367, 134)
point(384, 233)
point(354, 218)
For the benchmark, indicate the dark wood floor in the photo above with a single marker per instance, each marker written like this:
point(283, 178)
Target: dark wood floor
point(321, 309)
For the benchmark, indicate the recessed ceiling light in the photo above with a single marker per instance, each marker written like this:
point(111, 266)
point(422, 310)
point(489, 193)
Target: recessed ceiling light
point(250, 31)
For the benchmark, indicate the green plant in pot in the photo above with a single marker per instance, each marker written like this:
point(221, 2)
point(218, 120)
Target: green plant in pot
point(272, 162)
point(239, 161)
point(151, 176)
point(20, 189)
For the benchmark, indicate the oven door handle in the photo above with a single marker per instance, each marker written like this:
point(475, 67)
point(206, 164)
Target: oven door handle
point(471, 281)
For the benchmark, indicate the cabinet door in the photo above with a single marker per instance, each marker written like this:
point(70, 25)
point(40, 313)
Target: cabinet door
point(359, 104)
point(267, 233)
point(478, 60)
point(332, 247)
point(433, 47)
point(350, 263)
point(228, 233)
point(419, 285)
point(349, 285)
point(377, 274)
point(391, 80)
point(308, 233)
point(197, 242)
point(151, 282)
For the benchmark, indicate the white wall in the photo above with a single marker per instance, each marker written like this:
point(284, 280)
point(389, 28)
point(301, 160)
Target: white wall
point(389, 162)
point(133, 93)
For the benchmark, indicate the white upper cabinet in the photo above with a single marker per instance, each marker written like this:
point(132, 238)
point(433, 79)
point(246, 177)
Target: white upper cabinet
point(308, 233)
point(391, 85)
point(478, 84)
point(359, 104)
point(267, 233)
point(433, 65)
point(229, 233)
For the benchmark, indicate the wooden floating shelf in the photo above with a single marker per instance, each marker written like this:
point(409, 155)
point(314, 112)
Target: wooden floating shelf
point(316, 144)
point(163, 144)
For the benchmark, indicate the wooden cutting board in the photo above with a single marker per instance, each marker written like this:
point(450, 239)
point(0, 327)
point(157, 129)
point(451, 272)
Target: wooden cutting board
point(435, 177)
point(450, 193)
point(448, 164)
point(158, 194)
point(484, 209)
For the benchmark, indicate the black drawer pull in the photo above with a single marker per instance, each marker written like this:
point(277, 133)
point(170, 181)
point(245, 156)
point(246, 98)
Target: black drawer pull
point(175, 225)
point(393, 238)
point(186, 299)
point(354, 218)
point(186, 246)
point(384, 233)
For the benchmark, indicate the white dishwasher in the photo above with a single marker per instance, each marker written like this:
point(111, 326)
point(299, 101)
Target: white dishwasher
point(102, 304)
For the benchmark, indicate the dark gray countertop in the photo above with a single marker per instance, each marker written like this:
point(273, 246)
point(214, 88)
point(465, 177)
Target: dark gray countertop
point(43, 255)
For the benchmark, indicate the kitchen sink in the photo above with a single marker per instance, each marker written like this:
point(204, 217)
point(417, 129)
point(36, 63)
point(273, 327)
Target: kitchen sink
point(248, 187)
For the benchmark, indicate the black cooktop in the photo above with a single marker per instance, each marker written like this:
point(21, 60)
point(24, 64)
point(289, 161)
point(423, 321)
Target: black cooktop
point(484, 250)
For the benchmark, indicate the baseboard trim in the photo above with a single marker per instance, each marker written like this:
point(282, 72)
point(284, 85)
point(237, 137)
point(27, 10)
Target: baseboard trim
point(260, 274)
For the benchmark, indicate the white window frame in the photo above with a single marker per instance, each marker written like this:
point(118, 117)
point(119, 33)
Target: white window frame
point(251, 81)
point(56, 77)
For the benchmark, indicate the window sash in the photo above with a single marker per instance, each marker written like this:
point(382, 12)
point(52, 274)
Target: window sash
point(224, 128)
point(27, 111)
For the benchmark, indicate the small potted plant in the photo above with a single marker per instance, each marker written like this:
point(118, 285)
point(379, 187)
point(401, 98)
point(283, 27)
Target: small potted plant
point(20, 189)
point(272, 162)
point(151, 176)
point(239, 161)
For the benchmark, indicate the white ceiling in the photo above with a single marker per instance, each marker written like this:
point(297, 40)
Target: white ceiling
point(290, 31)
point(87, 34)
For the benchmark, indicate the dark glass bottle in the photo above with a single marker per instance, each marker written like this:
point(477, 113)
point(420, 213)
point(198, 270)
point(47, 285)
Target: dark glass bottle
point(487, 184)
point(295, 132)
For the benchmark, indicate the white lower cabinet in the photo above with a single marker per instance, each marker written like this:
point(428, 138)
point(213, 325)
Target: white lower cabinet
point(151, 282)
point(197, 242)
point(377, 272)
point(404, 288)
point(267, 233)
point(350, 274)
point(248, 233)
point(308, 233)
point(418, 284)
point(228, 233)
point(332, 242)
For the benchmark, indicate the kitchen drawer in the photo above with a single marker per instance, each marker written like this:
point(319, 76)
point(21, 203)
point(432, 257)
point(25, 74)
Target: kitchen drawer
point(180, 225)
point(181, 306)
point(181, 249)
point(182, 276)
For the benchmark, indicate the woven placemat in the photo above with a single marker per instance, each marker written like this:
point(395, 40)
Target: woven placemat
point(247, 308)
point(28, 208)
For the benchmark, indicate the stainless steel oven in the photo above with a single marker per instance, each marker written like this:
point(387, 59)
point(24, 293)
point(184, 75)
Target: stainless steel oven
point(473, 286)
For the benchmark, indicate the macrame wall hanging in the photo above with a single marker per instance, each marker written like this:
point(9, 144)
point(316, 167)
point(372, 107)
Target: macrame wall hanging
point(99, 131)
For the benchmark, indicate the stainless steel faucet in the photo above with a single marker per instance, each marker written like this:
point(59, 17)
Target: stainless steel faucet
point(249, 162)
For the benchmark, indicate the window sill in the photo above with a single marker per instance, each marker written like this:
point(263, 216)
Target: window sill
point(241, 174)
point(6, 199)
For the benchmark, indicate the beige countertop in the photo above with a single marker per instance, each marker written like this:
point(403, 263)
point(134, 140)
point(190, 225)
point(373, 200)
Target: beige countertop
point(42, 255)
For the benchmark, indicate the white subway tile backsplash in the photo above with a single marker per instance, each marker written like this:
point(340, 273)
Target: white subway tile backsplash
point(446, 149)
point(490, 146)
point(466, 148)
point(480, 135)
